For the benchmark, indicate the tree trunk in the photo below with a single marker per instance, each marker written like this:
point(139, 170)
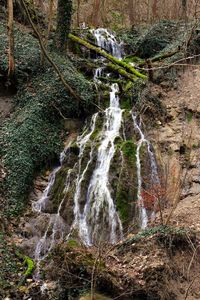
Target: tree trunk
point(148, 11)
point(95, 13)
point(131, 12)
point(104, 13)
point(11, 61)
point(64, 14)
point(50, 16)
point(78, 13)
point(184, 9)
point(155, 10)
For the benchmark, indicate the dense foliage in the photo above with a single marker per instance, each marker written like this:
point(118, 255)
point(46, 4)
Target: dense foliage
point(33, 135)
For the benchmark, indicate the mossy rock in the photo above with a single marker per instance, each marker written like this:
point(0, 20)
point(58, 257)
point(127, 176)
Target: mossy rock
point(126, 192)
point(129, 150)
point(156, 38)
point(96, 297)
point(57, 192)
point(72, 243)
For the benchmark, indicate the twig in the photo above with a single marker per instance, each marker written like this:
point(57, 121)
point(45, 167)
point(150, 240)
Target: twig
point(170, 65)
point(67, 86)
point(60, 112)
point(190, 264)
point(190, 285)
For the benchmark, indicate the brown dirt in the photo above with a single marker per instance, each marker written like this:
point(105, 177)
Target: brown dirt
point(6, 106)
point(178, 143)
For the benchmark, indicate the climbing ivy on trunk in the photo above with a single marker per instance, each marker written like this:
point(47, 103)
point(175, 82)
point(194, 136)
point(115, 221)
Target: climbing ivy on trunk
point(64, 14)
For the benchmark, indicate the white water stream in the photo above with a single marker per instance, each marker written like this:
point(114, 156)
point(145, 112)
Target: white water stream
point(154, 171)
point(107, 41)
point(98, 197)
point(96, 219)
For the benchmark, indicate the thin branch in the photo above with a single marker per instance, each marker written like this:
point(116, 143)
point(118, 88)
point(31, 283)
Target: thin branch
point(170, 65)
point(66, 85)
point(190, 285)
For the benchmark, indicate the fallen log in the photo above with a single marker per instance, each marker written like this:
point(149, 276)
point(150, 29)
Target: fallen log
point(123, 65)
point(158, 57)
point(122, 72)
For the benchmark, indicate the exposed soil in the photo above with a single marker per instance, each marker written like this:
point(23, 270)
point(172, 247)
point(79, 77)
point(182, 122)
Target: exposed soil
point(6, 106)
point(178, 143)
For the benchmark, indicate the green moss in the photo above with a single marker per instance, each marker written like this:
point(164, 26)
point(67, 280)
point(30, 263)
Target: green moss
point(129, 150)
point(127, 104)
point(72, 243)
point(189, 116)
point(122, 198)
point(96, 297)
point(124, 65)
point(57, 192)
point(125, 192)
point(30, 266)
point(98, 129)
point(133, 59)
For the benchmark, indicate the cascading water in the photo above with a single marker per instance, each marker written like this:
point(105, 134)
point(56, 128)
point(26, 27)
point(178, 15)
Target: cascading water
point(154, 172)
point(95, 215)
point(56, 224)
point(98, 194)
point(106, 40)
point(98, 197)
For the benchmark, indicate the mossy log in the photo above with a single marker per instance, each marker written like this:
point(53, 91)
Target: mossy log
point(119, 63)
point(159, 57)
point(122, 72)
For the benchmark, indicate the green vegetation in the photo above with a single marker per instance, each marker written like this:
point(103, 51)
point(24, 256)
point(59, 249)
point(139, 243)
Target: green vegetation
point(30, 267)
point(32, 137)
point(124, 196)
point(164, 233)
point(96, 297)
point(27, 54)
point(122, 200)
point(9, 266)
point(72, 243)
point(57, 192)
point(129, 150)
point(114, 60)
point(189, 116)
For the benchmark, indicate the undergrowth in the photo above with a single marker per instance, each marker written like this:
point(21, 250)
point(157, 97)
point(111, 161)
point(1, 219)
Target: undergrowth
point(164, 234)
point(33, 135)
point(9, 266)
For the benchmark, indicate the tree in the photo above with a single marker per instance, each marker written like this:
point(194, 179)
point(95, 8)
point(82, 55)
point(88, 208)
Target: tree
point(131, 12)
point(184, 9)
point(64, 14)
point(11, 61)
point(95, 13)
point(155, 9)
point(78, 12)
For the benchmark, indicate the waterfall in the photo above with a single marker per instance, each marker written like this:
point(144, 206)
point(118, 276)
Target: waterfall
point(56, 224)
point(107, 41)
point(154, 171)
point(98, 197)
point(94, 205)
point(98, 194)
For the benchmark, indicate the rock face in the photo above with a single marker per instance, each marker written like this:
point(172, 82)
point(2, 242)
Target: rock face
point(177, 142)
point(62, 207)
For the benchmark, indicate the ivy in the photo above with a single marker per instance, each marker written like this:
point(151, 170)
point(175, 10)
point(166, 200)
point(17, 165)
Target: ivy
point(32, 137)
